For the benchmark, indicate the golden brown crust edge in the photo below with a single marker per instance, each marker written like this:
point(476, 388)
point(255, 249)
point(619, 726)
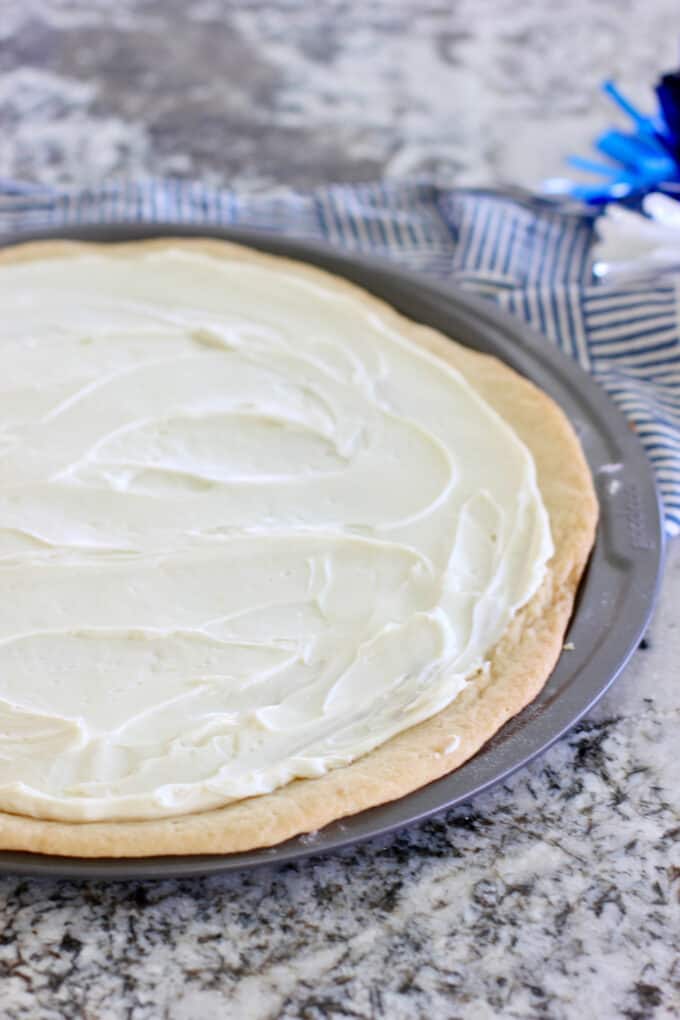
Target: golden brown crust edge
point(520, 664)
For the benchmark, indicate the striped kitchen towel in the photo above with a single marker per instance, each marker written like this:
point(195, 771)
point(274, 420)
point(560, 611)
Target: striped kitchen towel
point(526, 254)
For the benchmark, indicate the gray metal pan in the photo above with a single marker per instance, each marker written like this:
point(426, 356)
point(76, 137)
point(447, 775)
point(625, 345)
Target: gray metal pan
point(615, 600)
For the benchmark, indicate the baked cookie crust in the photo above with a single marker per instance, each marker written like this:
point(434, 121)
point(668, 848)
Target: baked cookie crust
point(520, 663)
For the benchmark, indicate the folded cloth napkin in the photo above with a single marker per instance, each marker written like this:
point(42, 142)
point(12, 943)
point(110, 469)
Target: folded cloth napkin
point(530, 256)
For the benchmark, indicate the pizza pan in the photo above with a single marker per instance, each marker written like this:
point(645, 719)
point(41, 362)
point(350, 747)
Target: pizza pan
point(614, 602)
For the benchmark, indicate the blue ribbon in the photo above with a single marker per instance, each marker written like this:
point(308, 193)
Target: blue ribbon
point(646, 158)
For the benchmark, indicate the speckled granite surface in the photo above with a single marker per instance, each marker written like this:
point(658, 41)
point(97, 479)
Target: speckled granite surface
point(556, 895)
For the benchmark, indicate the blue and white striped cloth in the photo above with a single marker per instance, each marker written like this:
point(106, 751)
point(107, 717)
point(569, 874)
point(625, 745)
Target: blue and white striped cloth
point(530, 257)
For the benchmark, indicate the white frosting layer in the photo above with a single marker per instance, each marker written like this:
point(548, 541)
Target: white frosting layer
point(248, 532)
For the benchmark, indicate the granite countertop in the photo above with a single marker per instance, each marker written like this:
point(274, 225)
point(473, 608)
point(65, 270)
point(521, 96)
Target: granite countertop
point(556, 895)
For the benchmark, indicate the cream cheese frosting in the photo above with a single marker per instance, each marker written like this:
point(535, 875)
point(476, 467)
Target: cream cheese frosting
point(248, 532)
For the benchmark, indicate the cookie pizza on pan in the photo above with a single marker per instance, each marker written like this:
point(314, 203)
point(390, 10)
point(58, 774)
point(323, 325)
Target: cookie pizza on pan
point(271, 553)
